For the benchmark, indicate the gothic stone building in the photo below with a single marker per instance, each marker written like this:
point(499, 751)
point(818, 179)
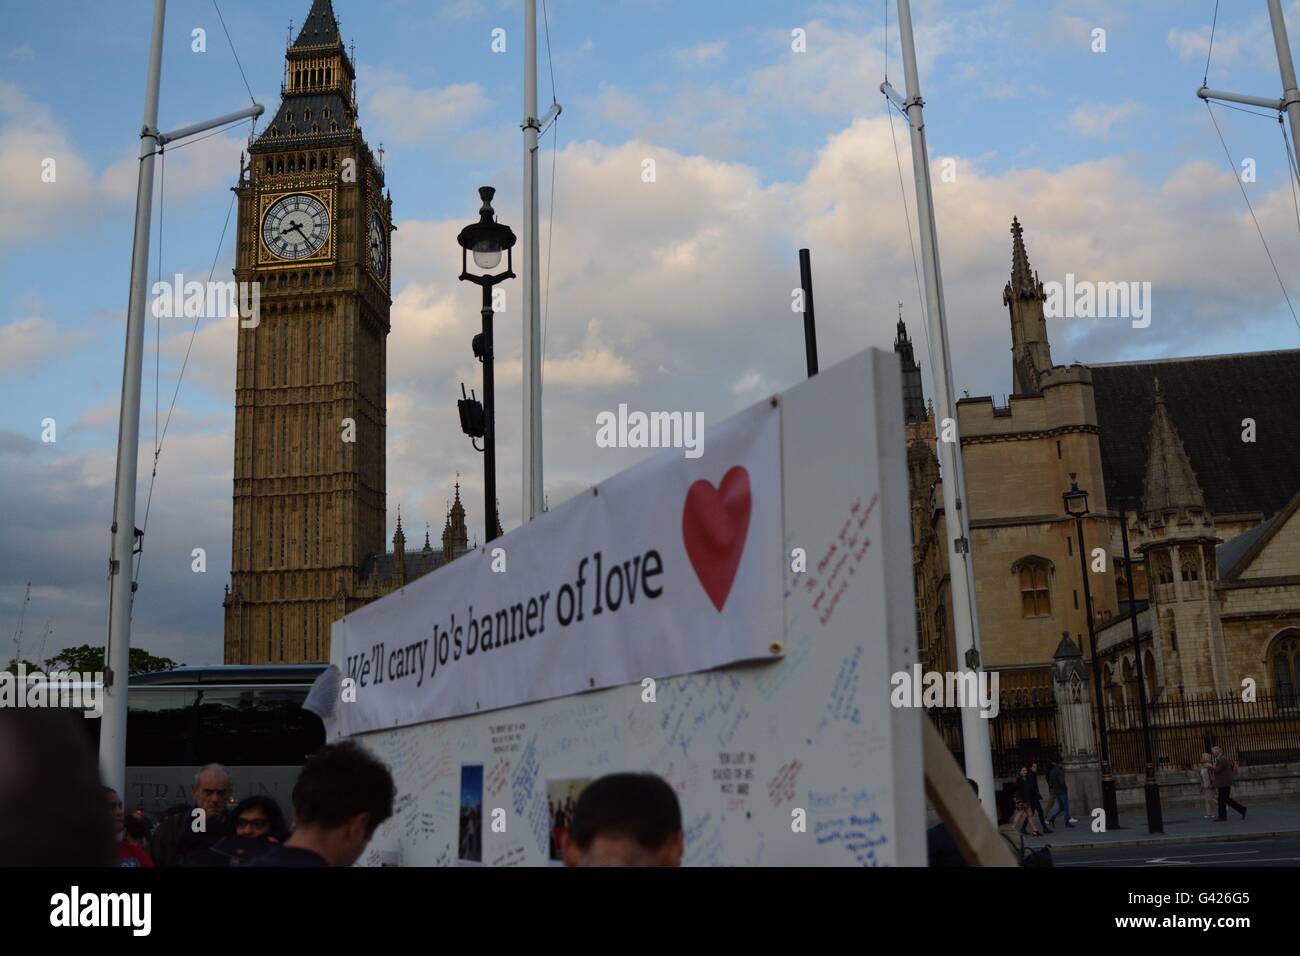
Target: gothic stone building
point(314, 224)
point(1210, 498)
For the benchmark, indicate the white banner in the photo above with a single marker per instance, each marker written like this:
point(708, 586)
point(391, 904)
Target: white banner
point(671, 567)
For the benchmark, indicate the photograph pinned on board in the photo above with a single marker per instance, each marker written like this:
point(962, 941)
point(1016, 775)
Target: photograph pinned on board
point(471, 814)
point(561, 801)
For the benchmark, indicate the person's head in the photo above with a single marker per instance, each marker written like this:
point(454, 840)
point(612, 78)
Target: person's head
point(1024, 771)
point(342, 796)
point(1216, 751)
point(626, 819)
point(1033, 767)
point(114, 808)
point(52, 809)
point(136, 828)
point(259, 817)
point(211, 788)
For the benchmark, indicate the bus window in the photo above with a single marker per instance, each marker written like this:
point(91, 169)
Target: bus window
point(161, 727)
point(256, 727)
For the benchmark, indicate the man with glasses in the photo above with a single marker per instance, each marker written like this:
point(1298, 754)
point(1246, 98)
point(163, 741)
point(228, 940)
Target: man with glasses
point(258, 827)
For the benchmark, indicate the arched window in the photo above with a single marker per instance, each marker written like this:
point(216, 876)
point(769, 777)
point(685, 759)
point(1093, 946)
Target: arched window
point(1035, 592)
point(1191, 569)
point(1284, 657)
point(1149, 668)
point(1164, 569)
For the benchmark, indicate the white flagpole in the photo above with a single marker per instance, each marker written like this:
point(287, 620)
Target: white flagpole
point(117, 655)
point(532, 321)
point(975, 729)
point(117, 651)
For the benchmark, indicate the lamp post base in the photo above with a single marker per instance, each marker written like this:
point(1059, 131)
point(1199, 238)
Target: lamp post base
point(1109, 802)
point(1155, 814)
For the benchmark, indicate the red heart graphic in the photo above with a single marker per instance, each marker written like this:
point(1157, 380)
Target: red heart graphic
point(714, 524)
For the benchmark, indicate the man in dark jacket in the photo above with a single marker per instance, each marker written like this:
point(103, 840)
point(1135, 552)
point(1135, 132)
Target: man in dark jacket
point(1035, 797)
point(342, 796)
point(1224, 773)
point(1060, 794)
point(184, 833)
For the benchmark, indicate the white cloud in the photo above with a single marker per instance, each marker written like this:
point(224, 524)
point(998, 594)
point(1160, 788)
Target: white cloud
point(202, 167)
point(31, 137)
point(404, 114)
point(25, 343)
point(701, 54)
point(1097, 120)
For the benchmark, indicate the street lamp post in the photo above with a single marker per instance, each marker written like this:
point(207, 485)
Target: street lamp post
point(1151, 787)
point(1076, 506)
point(486, 239)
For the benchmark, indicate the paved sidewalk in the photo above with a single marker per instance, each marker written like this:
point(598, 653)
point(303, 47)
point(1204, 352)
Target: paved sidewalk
point(1182, 824)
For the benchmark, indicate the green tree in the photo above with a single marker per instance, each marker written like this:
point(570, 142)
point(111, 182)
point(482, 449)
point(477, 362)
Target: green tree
point(12, 666)
point(91, 659)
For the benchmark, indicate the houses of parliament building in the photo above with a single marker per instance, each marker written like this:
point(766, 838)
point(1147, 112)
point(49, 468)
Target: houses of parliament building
point(1211, 503)
point(1200, 456)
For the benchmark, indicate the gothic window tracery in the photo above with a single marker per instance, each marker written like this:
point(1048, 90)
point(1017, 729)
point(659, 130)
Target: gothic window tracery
point(1284, 657)
point(1164, 569)
point(1035, 592)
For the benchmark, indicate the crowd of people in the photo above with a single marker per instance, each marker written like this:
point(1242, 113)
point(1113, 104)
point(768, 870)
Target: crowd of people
point(54, 811)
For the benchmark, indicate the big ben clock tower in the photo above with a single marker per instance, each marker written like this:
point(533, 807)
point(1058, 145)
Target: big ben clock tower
point(313, 229)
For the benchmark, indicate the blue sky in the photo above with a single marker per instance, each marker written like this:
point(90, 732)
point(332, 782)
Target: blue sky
point(668, 295)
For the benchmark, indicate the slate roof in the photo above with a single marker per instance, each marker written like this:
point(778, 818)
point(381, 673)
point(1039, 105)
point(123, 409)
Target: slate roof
point(1229, 554)
point(418, 564)
point(321, 28)
point(1207, 397)
point(340, 111)
point(1233, 557)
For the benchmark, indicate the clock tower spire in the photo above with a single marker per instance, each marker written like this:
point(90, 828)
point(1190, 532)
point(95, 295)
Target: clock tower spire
point(310, 383)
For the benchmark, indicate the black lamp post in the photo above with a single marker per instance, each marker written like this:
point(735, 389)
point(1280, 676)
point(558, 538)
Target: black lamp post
point(1076, 506)
point(1151, 788)
point(486, 239)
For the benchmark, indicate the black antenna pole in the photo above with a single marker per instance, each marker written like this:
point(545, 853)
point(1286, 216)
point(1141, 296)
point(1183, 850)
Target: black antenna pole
point(809, 316)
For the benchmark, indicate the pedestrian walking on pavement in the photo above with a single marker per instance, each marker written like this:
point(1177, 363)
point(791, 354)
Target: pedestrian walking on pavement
point(1208, 792)
point(1060, 794)
point(1225, 771)
point(1024, 806)
point(1035, 796)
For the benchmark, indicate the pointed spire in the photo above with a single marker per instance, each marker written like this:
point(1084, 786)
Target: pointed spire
point(321, 28)
point(913, 389)
point(399, 538)
point(427, 547)
point(1170, 481)
point(1024, 282)
point(455, 535)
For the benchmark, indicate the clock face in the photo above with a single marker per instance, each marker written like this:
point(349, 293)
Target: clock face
point(296, 226)
point(378, 245)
